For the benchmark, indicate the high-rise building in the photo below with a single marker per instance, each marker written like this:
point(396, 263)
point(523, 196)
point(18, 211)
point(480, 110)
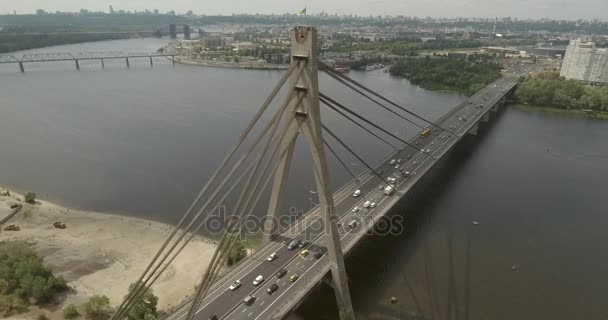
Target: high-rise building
point(585, 62)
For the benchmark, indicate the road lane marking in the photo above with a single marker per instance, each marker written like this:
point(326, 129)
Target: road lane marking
point(284, 292)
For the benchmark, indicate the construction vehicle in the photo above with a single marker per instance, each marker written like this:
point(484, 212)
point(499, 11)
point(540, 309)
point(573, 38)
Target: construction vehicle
point(12, 227)
point(59, 225)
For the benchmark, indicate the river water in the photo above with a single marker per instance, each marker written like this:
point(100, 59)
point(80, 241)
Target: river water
point(142, 141)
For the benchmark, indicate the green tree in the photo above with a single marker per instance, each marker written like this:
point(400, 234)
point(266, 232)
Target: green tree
point(30, 197)
point(70, 312)
point(237, 252)
point(23, 274)
point(145, 308)
point(97, 308)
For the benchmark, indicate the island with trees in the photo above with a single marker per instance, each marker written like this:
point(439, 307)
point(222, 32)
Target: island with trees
point(549, 92)
point(445, 74)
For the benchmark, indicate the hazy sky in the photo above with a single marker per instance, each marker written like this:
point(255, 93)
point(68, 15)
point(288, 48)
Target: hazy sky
point(569, 9)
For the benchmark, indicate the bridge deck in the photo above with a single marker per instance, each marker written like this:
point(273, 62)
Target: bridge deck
point(226, 304)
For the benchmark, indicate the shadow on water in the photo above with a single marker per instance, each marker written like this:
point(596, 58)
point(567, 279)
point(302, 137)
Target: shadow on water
point(379, 262)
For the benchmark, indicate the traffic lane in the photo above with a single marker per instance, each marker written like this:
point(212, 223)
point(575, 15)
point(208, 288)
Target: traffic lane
point(344, 206)
point(223, 296)
point(252, 274)
point(294, 264)
point(307, 266)
point(298, 265)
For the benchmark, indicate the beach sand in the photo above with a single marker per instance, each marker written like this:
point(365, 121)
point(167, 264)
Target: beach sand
point(102, 253)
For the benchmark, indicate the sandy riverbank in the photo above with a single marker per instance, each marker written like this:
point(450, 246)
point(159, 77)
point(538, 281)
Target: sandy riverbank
point(102, 253)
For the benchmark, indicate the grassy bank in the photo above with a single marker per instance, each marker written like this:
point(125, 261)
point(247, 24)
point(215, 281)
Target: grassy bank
point(15, 41)
point(570, 112)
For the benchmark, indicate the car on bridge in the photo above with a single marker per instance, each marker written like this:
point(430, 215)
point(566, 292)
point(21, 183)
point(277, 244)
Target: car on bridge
point(235, 285)
point(392, 162)
point(304, 253)
point(367, 204)
point(259, 279)
point(281, 273)
point(355, 209)
point(317, 254)
point(294, 277)
point(293, 244)
point(357, 193)
point(272, 257)
point(274, 287)
point(249, 300)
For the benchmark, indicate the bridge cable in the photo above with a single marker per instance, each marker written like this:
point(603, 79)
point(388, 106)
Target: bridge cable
point(324, 98)
point(210, 181)
point(348, 85)
point(248, 192)
point(340, 160)
point(361, 126)
point(353, 153)
point(249, 189)
point(330, 70)
point(201, 224)
point(273, 122)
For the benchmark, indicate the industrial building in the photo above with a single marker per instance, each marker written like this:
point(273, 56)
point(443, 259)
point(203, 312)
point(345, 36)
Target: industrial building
point(585, 62)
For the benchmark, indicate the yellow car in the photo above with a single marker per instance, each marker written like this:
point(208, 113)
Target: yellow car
point(293, 277)
point(304, 253)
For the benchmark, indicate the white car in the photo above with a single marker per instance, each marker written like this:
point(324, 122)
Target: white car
point(367, 204)
point(235, 285)
point(392, 162)
point(399, 161)
point(272, 256)
point(428, 150)
point(407, 173)
point(259, 279)
point(380, 187)
point(372, 205)
point(357, 193)
point(397, 167)
point(355, 209)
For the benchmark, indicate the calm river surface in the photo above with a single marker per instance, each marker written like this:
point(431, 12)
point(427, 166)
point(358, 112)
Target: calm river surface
point(142, 142)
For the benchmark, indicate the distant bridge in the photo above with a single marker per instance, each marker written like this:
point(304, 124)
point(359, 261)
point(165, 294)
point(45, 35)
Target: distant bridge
point(64, 56)
point(171, 30)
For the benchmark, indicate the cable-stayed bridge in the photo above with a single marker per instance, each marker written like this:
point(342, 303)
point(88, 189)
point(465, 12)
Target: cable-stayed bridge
point(282, 272)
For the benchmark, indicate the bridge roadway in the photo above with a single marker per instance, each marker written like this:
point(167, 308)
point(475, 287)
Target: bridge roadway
point(226, 304)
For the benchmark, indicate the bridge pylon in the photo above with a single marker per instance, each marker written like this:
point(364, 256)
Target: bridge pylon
point(305, 118)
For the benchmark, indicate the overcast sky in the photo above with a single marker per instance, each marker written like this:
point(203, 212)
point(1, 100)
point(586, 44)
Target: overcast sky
point(568, 9)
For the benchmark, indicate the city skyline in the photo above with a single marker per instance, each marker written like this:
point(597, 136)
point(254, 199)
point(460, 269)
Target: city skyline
point(553, 9)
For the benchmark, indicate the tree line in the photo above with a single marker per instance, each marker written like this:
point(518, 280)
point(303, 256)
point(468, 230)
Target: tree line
point(446, 74)
point(10, 42)
point(548, 89)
